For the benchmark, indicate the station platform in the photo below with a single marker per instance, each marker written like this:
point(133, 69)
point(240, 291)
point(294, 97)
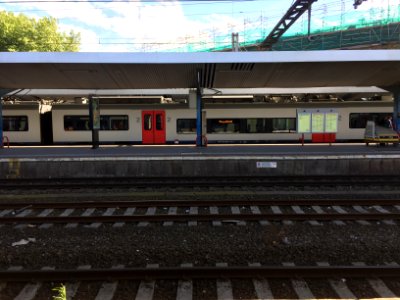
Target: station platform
point(40, 162)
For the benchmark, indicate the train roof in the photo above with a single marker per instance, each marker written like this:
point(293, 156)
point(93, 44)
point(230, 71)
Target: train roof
point(217, 70)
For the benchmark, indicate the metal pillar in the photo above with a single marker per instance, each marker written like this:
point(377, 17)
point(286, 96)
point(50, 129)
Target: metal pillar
point(396, 109)
point(94, 120)
point(1, 123)
point(199, 119)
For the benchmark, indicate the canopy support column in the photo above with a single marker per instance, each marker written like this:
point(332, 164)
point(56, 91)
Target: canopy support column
point(396, 109)
point(200, 137)
point(199, 119)
point(94, 120)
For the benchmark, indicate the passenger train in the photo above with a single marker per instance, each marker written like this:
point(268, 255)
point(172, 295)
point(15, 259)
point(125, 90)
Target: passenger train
point(176, 123)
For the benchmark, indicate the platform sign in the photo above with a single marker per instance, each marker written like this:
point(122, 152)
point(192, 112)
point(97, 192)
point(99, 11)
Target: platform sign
point(331, 122)
point(317, 122)
point(303, 122)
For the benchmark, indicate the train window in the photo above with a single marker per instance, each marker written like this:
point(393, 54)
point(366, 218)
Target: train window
point(359, 120)
point(114, 122)
point(284, 125)
point(186, 126)
point(253, 125)
point(159, 122)
point(107, 122)
point(223, 125)
point(15, 123)
point(76, 123)
point(147, 122)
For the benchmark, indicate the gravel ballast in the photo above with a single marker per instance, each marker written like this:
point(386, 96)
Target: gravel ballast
point(203, 245)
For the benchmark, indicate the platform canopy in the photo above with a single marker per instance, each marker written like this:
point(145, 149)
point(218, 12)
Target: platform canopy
point(357, 68)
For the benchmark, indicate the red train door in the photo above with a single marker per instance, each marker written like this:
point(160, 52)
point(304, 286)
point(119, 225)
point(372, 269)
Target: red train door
point(153, 127)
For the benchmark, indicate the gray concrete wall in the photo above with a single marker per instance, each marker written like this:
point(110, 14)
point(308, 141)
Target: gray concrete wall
point(192, 167)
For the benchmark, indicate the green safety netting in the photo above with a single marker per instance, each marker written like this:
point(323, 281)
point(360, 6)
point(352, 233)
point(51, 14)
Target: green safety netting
point(355, 27)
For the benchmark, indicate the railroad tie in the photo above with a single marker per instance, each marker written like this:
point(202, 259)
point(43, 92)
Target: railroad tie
point(185, 287)
point(276, 210)
point(384, 211)
point(378, 285)
point(224, 286)
point(30, 290)
point(300, 285)
point(261, 286)
point(256, 211)
point(23, 213)
point(298, 210)
point(171, 211)
point(236, 211)
point(339, 285)
point(214, 211)
point(128, 212)
point(72, 288)
point(194, 210)
point(88, 212)
point(146, 287)
point(66, 213)
point(45, 213)
point(361, 210)
point(108, 289)
point(150, 212)
point(109, 212)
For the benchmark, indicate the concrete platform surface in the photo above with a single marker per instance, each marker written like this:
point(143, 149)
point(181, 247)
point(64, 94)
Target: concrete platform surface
point(191, 161)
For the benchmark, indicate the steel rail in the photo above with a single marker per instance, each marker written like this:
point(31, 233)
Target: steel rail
point(198, 203)
point(200, 217)
point(201, 273)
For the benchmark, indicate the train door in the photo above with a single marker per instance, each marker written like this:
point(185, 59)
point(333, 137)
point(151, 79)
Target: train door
point(153, 127)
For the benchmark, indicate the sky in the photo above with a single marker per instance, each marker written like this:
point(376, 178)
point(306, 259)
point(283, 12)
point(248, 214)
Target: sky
point(186, 25)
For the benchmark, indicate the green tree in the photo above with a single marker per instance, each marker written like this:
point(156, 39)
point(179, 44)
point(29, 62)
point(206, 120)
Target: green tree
point(21, 33)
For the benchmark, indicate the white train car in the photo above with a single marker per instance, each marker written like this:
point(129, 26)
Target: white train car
point(176, 123)
point(119, 124)
point(21, 123)
point(233, 123)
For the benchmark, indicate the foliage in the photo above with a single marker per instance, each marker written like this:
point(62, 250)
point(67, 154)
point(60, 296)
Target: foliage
point(21, 33)
point(62, 293)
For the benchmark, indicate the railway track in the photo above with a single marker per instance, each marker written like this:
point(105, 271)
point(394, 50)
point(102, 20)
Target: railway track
point(192, 211)
point(222, 281)
point(179, 182)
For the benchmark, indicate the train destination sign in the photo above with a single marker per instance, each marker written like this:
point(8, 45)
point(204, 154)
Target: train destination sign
point(317, 121)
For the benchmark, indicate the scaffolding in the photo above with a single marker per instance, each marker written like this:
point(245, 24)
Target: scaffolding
point(335, 25)
point(344, 39)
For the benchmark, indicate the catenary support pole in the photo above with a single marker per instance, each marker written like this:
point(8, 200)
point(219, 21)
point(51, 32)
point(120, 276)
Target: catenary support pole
point(94, 120)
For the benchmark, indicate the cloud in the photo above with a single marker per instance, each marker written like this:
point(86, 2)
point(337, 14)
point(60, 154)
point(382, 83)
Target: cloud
point(166, 25)
point(126, 26)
